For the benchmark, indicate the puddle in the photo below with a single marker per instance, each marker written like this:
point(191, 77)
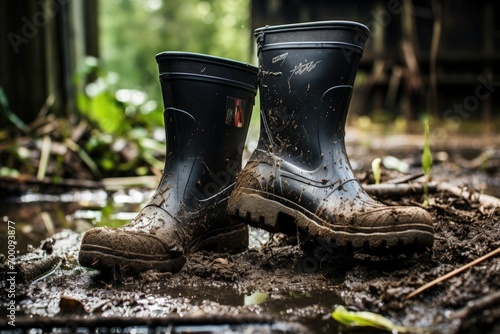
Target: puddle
point(264, 284)
point(197, 294)
point(222, 309)
point(213, 308)
point(39, 216)
point(169, 328)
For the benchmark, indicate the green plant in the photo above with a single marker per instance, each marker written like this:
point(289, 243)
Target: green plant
point(376, 169)
point(369, 319)
point(114, 110)
point(124, 121)
point(256, 298)
point(426, 161)
point(10, 115)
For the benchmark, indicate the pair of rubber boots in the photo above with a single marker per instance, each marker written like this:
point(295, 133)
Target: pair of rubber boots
point(298, 181)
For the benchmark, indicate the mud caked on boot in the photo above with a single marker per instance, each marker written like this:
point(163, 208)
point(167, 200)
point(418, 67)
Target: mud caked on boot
point(299, 180)
point(208, 102)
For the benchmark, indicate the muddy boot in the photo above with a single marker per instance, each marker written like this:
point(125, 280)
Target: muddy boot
point(299, 181)
point(208, 103)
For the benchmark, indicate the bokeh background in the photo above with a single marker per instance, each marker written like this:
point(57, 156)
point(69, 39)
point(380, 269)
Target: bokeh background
point(79, 78)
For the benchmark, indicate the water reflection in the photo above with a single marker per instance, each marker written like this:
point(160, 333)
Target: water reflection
point(39, 216)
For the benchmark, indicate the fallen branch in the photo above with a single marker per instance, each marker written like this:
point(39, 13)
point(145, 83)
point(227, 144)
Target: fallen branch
point(26, 182)
point(453, 273)
point(486, 200)
point(116, 183)
point(398, 190)
point(33, 270)
point(405, 189)
point(488, 156)
point(477, 305)
point(406, 178)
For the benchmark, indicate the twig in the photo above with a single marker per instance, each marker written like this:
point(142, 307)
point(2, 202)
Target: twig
point(23, 182)
point(405, 178)
point(44, 157)
point(479, 161)
point(477, 305)
point(87, 159)
point(48, 222)
point(29, 271)
point(436, 36)
point(49, 102)
point(397, 190)
point(453, 273)
point(49, 273)
point(4, 104)
point(149, 181)
point(486, 200)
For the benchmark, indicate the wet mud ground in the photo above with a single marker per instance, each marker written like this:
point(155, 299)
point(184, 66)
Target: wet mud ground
point(277, 286)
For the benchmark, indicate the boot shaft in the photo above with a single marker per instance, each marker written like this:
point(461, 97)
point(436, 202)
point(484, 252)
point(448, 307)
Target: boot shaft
point(208, 103)
point(306, 75)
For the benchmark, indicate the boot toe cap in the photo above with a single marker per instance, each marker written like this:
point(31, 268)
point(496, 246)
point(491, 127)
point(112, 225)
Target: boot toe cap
point(398, 227)
point(396, 218)
point(133, 246)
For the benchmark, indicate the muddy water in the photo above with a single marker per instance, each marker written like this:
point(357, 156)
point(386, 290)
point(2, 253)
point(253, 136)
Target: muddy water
point(71, 290)
point(39, 216)
point(234, 294)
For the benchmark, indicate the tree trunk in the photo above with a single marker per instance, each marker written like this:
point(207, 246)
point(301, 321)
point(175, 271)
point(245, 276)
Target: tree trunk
point(38, 55)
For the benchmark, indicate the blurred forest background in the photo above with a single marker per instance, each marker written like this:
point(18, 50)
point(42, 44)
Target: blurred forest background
point(80, 98)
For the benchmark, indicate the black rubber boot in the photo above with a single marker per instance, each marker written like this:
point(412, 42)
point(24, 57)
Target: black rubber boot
point(208, 102)
point(299, 181)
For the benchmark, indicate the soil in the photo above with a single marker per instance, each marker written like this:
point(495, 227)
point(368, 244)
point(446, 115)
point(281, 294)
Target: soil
point(277, 286)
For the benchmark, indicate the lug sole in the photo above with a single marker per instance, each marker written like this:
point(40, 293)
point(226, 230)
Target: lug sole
point(231, 239)
point(119, 265)
point(273, 216)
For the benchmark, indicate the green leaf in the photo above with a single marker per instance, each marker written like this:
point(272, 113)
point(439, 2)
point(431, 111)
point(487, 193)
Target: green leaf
point(84, 156)
point(426, 155)
point(6, 171)
point(376, 169)
point(369, 319)
point(82, 102)
point(256, 298)
point(10, 114)
point(426, 161)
